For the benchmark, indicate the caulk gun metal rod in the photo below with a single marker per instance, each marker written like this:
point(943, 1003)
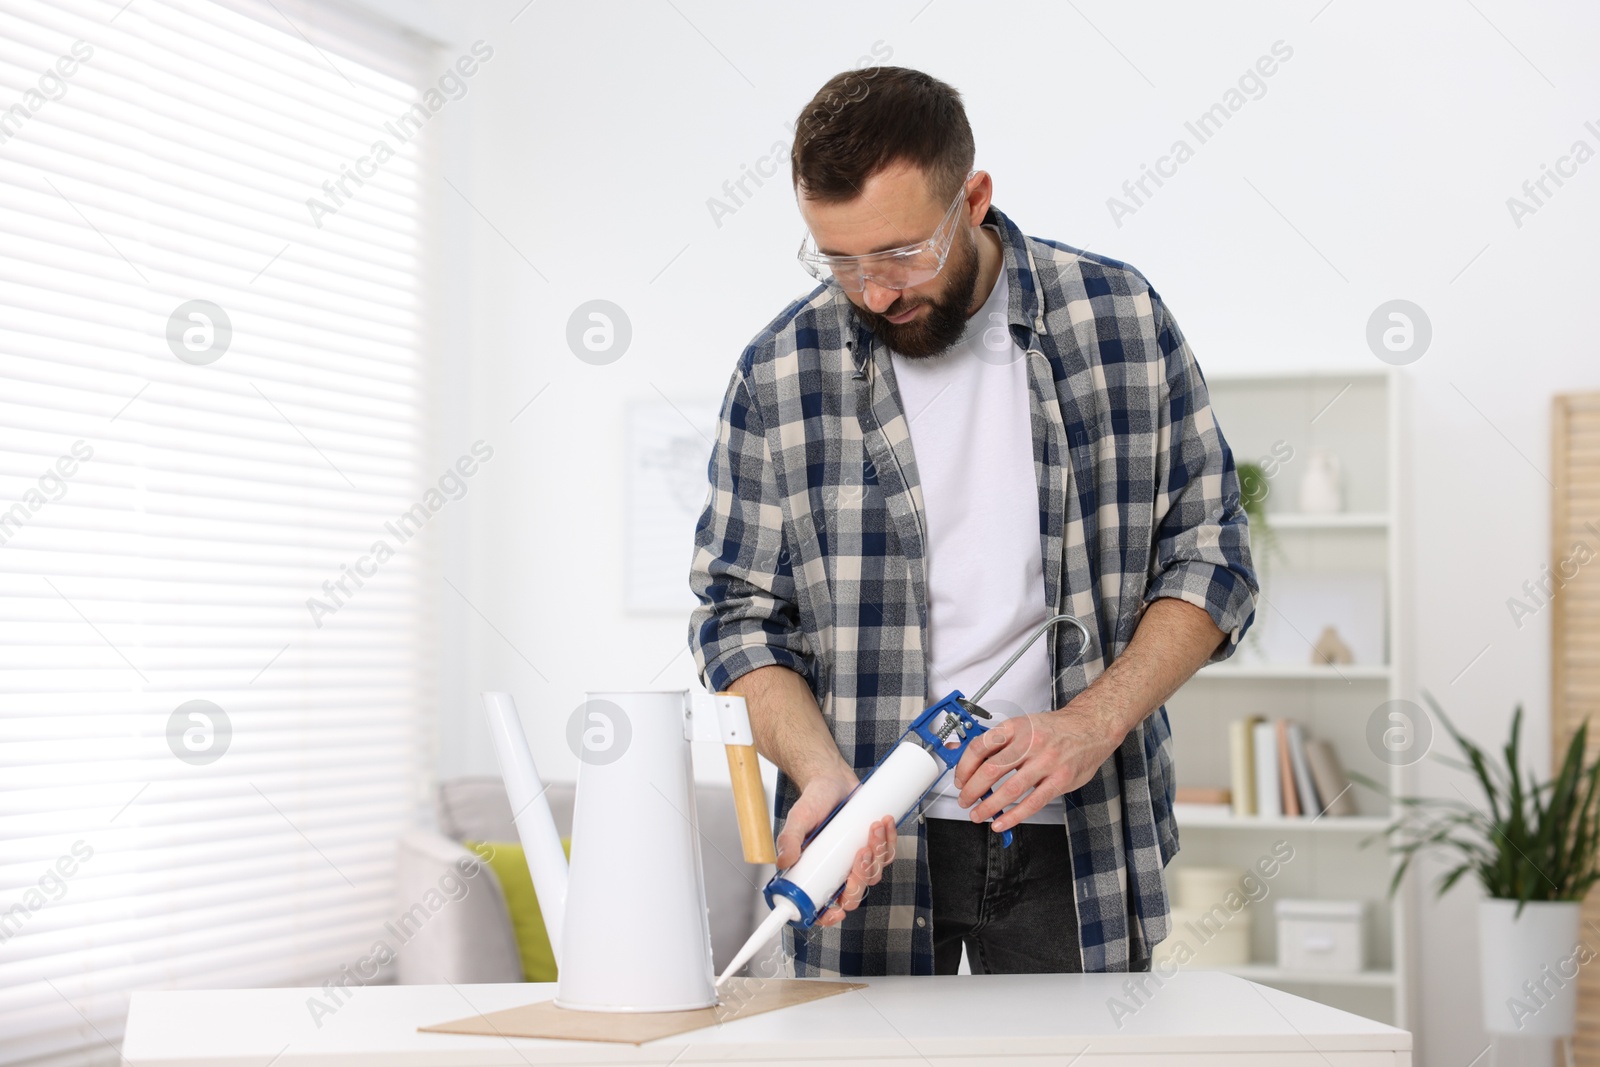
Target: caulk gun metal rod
point(1006, 666)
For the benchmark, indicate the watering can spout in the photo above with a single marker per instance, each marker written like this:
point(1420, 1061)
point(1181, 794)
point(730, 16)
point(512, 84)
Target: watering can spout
point(536, 826)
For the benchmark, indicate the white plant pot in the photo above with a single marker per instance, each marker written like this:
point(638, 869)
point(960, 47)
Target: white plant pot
point(1529, 966)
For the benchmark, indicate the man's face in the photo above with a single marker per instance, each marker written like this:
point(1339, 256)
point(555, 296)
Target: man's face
point(896, 208)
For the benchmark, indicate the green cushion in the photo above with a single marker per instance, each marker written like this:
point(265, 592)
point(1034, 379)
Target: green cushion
point(510, 865)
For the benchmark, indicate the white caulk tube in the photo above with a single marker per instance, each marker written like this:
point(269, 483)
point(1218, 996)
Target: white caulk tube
point(804, 890)
point(547, 860)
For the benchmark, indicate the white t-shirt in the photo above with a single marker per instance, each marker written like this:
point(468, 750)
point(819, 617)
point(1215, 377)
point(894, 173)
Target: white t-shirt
point(972, 436)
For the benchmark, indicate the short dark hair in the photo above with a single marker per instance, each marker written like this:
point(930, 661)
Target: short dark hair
point(865, 120)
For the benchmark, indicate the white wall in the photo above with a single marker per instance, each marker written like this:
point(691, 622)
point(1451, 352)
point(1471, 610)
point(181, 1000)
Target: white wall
point(1377, 165)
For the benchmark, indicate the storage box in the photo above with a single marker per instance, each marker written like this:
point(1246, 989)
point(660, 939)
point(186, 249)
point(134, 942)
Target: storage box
point(1321, 935)
point(1205, 938)
point(1205, 932)
point(1205, 887)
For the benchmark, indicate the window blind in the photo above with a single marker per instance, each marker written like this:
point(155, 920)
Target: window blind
point(212, 408)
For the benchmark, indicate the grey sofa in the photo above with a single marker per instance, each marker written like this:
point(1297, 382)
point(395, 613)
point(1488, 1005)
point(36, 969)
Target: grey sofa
point(470, 939)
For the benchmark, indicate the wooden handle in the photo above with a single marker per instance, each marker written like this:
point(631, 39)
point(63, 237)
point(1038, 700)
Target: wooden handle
point(750, 803)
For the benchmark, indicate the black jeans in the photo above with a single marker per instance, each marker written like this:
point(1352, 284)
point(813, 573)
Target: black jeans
point(1013, 907)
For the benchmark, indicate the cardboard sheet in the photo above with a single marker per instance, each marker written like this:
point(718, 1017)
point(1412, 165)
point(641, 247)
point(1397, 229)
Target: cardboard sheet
point(741, 998)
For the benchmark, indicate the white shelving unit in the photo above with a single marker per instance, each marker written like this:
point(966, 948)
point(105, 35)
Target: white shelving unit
point(1355, 415)
point(1229, 671)
point(1350, 824)
point(1351, 520)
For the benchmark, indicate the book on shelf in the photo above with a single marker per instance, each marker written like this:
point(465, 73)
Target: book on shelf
point(1333, 785)
point(1198, 813)
point(1200, 794)
point(1242, 764)
point(1269, 797)
point(1277, 770)
point(1291, 795)
point(1310, 803)
point(1201, 803)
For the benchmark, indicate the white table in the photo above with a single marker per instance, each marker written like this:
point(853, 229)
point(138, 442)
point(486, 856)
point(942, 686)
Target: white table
point(1199, 1019)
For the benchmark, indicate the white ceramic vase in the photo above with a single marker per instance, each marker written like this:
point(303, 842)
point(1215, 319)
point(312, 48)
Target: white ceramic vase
point(1321, 488)
point(1529, 966)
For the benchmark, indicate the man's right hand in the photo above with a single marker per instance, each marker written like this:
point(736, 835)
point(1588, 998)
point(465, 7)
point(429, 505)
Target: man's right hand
point(820, 796)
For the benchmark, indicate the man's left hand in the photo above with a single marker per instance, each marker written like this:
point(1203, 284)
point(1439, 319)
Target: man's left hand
point(1053, 752)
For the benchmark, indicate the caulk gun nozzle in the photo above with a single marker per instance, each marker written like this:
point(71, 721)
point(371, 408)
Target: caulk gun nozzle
point(784, 911)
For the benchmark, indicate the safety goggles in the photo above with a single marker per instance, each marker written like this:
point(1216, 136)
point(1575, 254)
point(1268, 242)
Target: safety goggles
point(895, 268)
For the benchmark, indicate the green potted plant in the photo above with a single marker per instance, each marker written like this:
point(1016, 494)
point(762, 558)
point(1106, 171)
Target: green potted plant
point(1533, 846)
point(1253, 490)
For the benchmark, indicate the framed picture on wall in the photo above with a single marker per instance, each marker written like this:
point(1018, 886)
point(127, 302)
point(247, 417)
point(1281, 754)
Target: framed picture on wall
point(668, 447)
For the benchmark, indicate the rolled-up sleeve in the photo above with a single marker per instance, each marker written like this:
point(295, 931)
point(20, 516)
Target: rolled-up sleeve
point(1202, 536)
point(741, 572)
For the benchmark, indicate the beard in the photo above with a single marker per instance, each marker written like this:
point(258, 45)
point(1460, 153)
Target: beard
point(945, 321)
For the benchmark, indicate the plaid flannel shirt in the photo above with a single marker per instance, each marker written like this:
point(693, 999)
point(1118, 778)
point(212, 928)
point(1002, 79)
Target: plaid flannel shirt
point(809, 554)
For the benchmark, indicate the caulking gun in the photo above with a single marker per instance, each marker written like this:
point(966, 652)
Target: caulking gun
point(934, 743)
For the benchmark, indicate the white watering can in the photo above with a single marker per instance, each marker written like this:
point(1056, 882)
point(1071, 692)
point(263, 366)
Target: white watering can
point(628, 922)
